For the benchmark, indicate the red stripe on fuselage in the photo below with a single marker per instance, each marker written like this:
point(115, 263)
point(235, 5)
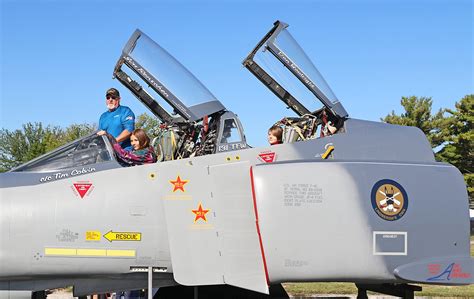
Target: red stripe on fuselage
point(258, 228)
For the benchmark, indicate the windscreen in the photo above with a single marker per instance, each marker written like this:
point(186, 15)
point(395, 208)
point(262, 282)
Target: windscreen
point(86, 151)
point(168, 71)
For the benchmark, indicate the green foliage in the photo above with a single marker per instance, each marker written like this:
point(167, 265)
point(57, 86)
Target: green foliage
point(418, 114)
point(450, 130)
point(76, 131)
point(149, 124)
point(19, 146)
point(33, 140)
point(459, 137)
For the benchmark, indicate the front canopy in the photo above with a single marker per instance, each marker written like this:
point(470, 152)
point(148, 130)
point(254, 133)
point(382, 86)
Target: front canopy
point(168, 78)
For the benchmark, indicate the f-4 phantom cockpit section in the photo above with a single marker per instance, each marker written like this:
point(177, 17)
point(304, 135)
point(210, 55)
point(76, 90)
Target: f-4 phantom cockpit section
point(199, 124)
point(220, 219)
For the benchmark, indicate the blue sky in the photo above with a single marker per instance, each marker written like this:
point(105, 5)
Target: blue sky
point(57, 57)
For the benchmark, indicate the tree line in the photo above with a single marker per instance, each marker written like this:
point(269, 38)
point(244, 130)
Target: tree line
point(449, 131)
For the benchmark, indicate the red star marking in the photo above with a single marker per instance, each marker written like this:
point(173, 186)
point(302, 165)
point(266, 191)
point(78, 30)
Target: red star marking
point(179, 184)
point(200, 213)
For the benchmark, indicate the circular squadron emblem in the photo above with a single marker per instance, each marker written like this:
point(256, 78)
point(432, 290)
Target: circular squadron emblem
point(389, 200)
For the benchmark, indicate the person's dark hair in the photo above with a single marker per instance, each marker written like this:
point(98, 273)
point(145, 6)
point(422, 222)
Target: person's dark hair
point(142, 137)
point(276, 131)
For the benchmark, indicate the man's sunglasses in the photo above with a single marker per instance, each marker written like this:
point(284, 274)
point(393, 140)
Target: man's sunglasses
point(111, 97)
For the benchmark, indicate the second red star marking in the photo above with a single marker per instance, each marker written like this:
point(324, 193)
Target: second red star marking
point(200, 213)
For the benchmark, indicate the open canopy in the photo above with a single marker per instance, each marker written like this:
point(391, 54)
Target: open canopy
point(281, 64)
point(168, 78)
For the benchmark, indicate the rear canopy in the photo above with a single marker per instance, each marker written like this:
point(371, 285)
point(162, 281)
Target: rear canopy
point(298, 73)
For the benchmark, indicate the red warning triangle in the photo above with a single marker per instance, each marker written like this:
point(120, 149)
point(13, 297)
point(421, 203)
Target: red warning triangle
point(82, 188)
point(267, 157)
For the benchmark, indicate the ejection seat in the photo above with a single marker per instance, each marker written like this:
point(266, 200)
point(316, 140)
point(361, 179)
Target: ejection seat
point(309, 126)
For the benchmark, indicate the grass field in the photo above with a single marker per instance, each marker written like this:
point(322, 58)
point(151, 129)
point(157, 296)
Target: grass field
point(306, 289)
point(472, 246)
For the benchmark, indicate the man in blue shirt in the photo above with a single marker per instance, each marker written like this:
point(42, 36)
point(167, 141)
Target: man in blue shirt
point(118, 121)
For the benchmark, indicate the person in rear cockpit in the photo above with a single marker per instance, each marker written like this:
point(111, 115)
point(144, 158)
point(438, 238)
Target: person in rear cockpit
point(275, 135)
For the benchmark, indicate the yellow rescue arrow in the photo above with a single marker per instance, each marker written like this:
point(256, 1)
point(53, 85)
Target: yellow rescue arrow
point(123, 236)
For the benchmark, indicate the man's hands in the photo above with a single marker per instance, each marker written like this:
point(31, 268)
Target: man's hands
point(124, 135)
